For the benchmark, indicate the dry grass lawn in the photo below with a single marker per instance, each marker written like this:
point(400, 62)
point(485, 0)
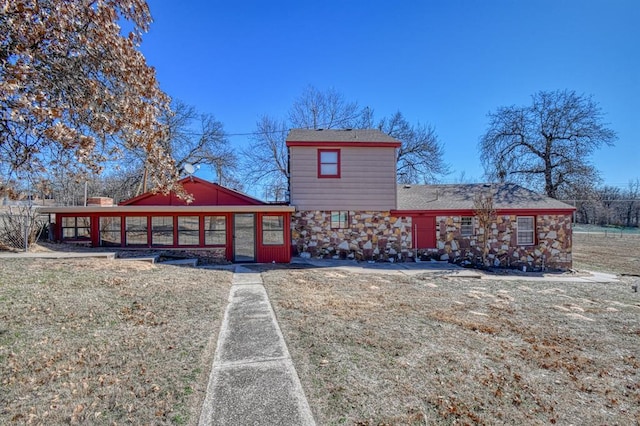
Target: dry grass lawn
point(376, 349)
point(106, 342)
point(113, 342)
point(617, 253)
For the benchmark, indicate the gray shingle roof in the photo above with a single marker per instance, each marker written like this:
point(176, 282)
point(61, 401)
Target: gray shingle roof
point(461, 196)
point(339, 135)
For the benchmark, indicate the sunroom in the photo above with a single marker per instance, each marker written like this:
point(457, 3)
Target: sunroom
point(237, 227)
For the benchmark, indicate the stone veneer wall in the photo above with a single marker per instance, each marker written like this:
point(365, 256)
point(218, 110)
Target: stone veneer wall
point(552, 248)
point(380, 236)
point(368, 236)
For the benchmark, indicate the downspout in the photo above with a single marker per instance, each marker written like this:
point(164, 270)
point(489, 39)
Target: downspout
point(288, 200)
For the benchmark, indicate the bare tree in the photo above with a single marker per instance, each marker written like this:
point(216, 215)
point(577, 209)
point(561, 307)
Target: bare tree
point(486, 215)
point(631, 205)
point(191, 137)
point(266, 159)
point(315, 109)
point(547, 144)
point(419, 159)
point(199, 139)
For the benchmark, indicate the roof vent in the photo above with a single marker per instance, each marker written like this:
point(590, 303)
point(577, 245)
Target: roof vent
point(407, 186)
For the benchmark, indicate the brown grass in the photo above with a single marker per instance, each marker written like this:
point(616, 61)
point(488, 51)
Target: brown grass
point(106, 342)
point(111, 342)
point(617, 253)
point(381, 349)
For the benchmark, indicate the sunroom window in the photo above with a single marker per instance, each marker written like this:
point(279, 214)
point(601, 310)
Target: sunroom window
point(162, 230)
point(272, 230)
point(76, 228)
point(215, 230)
point(188, 230)
point(110, 234)
point(136, 230)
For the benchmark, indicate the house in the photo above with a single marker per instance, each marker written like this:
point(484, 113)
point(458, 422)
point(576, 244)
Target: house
point(348, 205)
point(526, 228)
point(220, 224)
point(344, 203)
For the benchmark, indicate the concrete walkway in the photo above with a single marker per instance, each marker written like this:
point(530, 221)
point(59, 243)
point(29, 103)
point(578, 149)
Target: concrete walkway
point(450, 270)
point(56, 255)
point(253, 380)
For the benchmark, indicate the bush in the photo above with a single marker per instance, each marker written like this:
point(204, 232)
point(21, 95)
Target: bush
point(12, 227)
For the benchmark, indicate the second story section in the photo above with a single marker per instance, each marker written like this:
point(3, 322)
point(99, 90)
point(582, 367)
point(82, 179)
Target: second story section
point(352, 169)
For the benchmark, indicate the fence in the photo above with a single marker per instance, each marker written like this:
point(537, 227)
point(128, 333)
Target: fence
point(20, 226)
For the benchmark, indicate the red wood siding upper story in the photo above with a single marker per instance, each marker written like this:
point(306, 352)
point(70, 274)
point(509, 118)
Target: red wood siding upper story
point(204, 194)
point(367, 178)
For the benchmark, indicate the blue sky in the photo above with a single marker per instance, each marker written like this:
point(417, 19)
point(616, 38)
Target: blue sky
point(446, 63)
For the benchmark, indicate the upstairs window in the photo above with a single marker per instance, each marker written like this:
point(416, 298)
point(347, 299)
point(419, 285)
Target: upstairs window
point(328, 163)
point(526, 230)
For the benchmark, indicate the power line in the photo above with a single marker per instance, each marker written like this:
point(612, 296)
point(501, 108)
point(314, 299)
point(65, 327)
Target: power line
point(326, 125)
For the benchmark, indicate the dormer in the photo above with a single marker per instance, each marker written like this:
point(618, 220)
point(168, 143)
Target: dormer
point(350, 169)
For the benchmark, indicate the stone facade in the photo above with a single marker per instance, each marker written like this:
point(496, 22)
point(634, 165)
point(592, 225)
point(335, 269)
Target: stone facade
point(381, 236)
point(552, 248)
point(367, 236)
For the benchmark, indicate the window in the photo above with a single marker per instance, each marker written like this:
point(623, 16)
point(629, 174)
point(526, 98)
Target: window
point(526, 229)
point(466, 226)
point(215, 230)
point(136, 231)
point(272, 230)
point(76, 228)
point(328, 163)
point(339, 219)
point(162, 231)
point(188, 230)
point(110, 234)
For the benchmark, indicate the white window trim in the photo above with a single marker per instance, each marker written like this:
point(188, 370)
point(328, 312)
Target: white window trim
point(532, 230)
point(472, 232)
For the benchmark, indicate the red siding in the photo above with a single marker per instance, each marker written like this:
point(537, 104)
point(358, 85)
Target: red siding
point(204, 194)
point(264, 253)
point(274, 253)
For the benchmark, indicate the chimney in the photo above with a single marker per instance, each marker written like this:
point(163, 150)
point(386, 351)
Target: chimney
point(100, 201)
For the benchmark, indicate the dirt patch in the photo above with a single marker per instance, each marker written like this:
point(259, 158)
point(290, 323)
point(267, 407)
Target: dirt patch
point(378, 350)
point(106, 342)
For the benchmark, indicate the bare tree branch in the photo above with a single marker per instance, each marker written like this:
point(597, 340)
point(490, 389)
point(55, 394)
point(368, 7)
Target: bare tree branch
point(545, 145)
